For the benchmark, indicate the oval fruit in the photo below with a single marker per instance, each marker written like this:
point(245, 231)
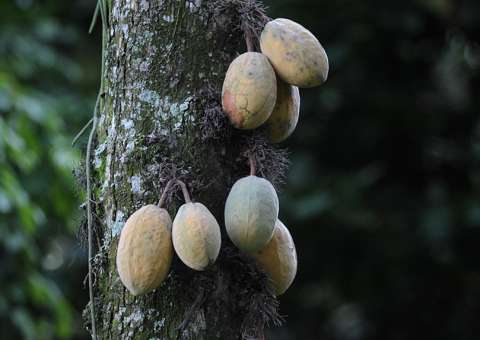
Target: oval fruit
point(196, 236)
point(251, 211)
point(284, 117)
point(279, 259)
point(249, 91)
point(296, 55)
point(145, 251)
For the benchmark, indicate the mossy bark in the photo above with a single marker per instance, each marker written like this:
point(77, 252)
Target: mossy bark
point(159, 119)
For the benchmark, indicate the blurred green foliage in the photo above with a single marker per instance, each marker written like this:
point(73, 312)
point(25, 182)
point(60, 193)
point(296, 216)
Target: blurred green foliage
point(382, 197)
point(43, 101)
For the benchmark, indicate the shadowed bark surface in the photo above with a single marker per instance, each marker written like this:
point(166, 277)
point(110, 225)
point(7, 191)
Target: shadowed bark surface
point(161, 118)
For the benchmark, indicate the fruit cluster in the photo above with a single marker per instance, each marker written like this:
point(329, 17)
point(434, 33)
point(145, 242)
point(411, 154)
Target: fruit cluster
point(147, 241)
point(258, 88)
point(251, 220)
point(149, 237)
point(262, 88)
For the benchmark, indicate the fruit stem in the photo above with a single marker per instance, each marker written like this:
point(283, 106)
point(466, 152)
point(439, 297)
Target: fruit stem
point(248, 42)
point(186, 195)
point(253, 165)
point(161, 201)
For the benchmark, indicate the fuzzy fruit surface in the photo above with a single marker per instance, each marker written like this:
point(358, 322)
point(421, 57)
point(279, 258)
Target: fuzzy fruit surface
point(145, 251)
point(249, 90)
point(296, 55)
point(251, 211)
point(196, 236)
point(279, 259)
point(284, 117)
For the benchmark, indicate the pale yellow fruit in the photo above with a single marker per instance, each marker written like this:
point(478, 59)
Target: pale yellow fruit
point(196, 236)
point(145, 251)
point(249, 91)
point(296, 55)
point(279, 259)
point(284, 117)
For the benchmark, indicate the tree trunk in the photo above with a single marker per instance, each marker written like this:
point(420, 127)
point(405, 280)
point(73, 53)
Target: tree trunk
point(161, 118)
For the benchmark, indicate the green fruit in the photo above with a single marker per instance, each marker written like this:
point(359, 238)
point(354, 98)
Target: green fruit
point(251, 211)
point(196, 236)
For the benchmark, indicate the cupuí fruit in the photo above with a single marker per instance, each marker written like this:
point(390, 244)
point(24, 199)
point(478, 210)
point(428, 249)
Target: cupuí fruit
point(145, 249)
point(284, 117)
point(279, 259)
point(251, 211)
point(249, 91)
point(196, 236)
point(296, 55)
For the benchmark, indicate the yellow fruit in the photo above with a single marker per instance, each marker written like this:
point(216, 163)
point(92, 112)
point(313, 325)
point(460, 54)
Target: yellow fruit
point(284, 117)
point(196, 236)
point(279, 259)
point(251, 211)
point(295, 53)
point(249, 91)
point(145, 249)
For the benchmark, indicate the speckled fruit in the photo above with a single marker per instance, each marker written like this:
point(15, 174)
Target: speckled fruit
point(249, 91)
point(196, 236)
point(295, 53)
point(279, 259)
point(145, 249)
point(284, 117)
point(251, 211)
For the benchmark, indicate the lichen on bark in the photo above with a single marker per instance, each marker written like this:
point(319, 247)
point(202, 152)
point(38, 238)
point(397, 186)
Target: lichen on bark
point(161, 118)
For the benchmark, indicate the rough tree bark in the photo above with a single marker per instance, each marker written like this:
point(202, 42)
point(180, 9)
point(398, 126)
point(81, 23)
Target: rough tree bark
point(160, 118)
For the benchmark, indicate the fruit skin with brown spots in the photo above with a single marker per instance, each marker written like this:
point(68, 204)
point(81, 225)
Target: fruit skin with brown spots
point(296, 55)
point(284, 117)
point(251, 211)
point(249, 91)
point(145, 250)
point(196, 236)
point(279, 259)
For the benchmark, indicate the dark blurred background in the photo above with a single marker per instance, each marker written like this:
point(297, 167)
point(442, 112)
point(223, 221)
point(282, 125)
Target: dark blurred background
point(382, 197)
